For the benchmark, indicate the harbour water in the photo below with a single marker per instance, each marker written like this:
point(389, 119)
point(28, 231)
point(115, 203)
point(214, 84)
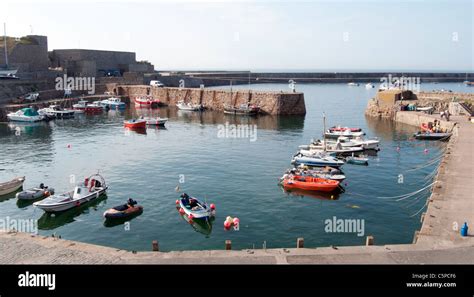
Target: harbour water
point(237, 174)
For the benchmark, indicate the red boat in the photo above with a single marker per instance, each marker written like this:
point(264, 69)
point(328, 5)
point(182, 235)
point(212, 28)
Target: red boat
point(135, 124)
point(341, 129)
point(146, 101)
point(310, 183)
point(87, 108)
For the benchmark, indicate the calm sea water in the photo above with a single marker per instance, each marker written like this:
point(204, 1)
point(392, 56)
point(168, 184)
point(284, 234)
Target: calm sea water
point(238, 175)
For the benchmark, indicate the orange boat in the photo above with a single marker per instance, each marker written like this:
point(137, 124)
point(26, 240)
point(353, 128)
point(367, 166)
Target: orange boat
point(310, 183)
point(135, 124)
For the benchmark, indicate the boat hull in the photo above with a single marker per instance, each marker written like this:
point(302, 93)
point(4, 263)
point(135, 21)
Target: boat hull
point(11, 186)
point(63, 206)
point(200, 214)
point(16, 118)
point(135, 125)
point(310, 184)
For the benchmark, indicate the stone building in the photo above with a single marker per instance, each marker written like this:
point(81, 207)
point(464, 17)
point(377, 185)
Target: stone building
point(28, 54)
point(84, 62)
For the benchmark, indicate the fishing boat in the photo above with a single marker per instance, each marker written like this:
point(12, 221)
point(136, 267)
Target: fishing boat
point(346, 133)
point(11, 186)
point(243, 109)
point(135, 123)
point(310, 183)
point(86, 107)
point(155, 121)
point(113, 103)
point(146, 101)
point(317, 161)
point(25, 115)
point(122, 211)
point(35, 193)
point(194, 208)
point(357, 160)
point(188, 106)
point(444, 136)
point(57, 111)
point(92, 187)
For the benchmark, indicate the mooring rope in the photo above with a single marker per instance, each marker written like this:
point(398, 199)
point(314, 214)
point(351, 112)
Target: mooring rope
point(424, 205)
point(429, 163)
point(408, 194)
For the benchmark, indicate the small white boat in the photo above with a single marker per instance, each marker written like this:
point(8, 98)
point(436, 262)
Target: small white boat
point(35, 193)
point(155, 121)
point(347, 133)
point(353, 84)
point(369, 86)
point(11, 186)
point(25, 115)
point(357, 160)
point(113, 103)
point(57, 111)
point(317, 161)
point(89, 190)
point(188, 106)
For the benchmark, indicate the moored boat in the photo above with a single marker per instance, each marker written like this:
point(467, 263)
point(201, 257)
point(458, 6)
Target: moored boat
point(188, 106)
point(357, 160)
point(11, 186)
point(155, 121)
point(89, 190)
point(113, 103)
point(317, 161)
point(122, 211)
point(35, 193)
point(194, 208)
point(339, 128)
point(86, 107)
point(243, 109)
point(135, 123)
point(146, 101)
point(346, 133)
point(25, 115)
point(310, 183)
point(58, 112)
point(433, 136)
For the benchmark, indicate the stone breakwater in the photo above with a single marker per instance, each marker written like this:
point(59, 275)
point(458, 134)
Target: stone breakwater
point(275, 103)
point(438, 100)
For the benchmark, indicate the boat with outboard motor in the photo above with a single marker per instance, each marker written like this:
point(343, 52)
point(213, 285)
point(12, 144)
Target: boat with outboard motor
point(122, 211)
point(443, 136)
point(35, 193)
point(92, 187)
point(194, 208)
point(113, 103)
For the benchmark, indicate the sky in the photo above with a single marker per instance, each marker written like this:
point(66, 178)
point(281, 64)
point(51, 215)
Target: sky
point(373, 35)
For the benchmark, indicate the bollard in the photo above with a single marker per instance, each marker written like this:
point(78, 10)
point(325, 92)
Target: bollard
point(369, 240)
point(155, 246)
point(228, 245)
point(300, 242)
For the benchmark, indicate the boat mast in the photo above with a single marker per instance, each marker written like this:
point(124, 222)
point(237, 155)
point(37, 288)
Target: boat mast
point(324, 130)
point(5, 43)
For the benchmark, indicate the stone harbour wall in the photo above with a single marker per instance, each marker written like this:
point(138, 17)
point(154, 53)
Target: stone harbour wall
point(275, 103)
